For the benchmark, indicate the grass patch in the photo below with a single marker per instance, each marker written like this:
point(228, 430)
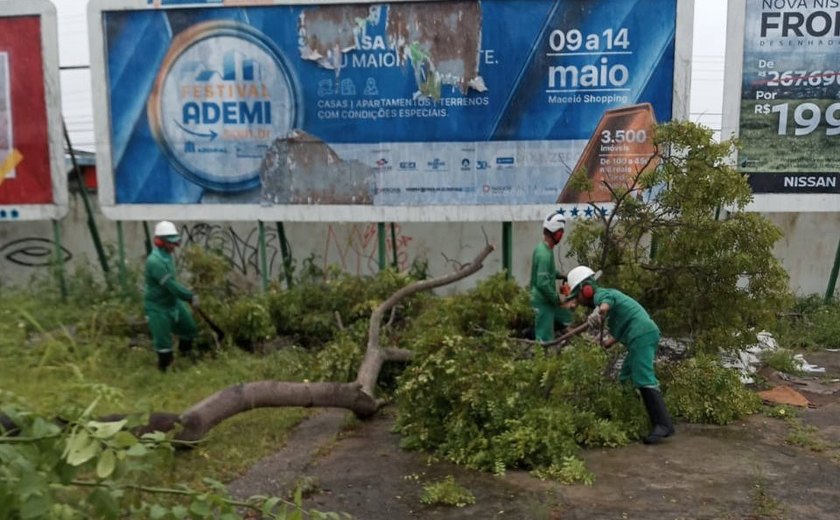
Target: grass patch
point(55, 361)
point(447, 492)
point(805, 436)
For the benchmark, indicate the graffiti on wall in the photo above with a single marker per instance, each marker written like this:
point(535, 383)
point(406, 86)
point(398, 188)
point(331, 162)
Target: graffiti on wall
point(33, 252)
point(356, 250)
point(353, 248)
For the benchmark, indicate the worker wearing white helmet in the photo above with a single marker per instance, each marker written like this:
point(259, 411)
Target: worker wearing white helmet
point(549, 315)
point(629, 323)
point(165, 299)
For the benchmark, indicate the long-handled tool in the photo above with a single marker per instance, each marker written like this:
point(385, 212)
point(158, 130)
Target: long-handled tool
point(583, 327)
point(220, 334)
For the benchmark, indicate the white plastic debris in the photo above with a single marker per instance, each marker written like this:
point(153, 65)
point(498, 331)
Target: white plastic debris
point(807, 367)
point(748, 360)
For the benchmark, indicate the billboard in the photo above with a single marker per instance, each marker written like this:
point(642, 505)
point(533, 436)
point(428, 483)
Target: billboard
point(33, 182)
point(411, 111)
point(782, 99)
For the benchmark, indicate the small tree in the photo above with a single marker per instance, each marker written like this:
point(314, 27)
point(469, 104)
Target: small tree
point(701, 270)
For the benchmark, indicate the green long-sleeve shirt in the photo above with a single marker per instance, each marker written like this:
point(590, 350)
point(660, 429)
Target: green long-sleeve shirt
point(626, 319)
point(543, 276)
point(162, 289)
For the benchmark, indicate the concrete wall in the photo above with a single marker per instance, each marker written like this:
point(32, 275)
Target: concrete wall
point(26, 248)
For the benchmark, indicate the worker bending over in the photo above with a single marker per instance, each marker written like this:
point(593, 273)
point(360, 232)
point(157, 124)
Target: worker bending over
point(629, 323)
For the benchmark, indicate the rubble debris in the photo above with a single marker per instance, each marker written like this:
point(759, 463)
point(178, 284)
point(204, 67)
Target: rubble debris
point(784, 395)
point(302, 169)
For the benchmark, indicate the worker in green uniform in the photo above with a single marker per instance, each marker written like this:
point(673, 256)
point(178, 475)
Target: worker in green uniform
point(166, 300)
point(629, 323)
point(549, 311)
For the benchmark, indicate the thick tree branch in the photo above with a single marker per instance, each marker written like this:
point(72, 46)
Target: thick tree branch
point(374, 357)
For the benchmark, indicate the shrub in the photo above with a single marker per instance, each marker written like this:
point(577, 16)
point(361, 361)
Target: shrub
point(811, 324)
point(702, 391)
point(248, 321)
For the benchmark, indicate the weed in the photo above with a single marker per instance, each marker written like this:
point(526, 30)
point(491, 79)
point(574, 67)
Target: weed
point(307, 486)
point(764, 505)
point(782, 360)
point(805, 436)
point(447, 492)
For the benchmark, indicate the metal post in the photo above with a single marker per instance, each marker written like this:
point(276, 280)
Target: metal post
point(285, 250)
point(380, 232)
point(148, 238)
point(507, 248)
point(394, 246)
point(263, 257)
point(121, 251)
point(94, 232)
point(832, 280)
point(59, 259)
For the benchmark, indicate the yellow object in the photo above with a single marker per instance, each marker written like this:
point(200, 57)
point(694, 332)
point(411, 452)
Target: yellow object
point(12, 160)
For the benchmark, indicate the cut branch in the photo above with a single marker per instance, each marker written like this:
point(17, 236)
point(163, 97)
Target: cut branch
point(374, 355)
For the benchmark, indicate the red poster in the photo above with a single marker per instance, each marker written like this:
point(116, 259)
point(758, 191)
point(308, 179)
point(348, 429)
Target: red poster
point(25, 175)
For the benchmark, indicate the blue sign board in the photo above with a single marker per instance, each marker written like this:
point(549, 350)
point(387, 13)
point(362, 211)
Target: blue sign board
point(394, 104)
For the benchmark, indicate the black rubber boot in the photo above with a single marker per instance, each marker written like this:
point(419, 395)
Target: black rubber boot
point(185, 348)
point(659, 416)
point(164, 360)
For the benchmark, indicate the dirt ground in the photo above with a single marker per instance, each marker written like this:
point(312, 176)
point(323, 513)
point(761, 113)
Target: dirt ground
point(746, 470)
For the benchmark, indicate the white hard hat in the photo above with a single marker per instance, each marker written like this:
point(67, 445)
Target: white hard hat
point(578, 275)
point(554, 222)
point(165, 228)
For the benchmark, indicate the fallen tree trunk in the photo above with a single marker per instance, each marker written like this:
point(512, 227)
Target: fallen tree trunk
point(357, 396)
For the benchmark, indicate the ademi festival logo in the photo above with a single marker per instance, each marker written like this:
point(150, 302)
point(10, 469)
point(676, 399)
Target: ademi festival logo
point(223, 93)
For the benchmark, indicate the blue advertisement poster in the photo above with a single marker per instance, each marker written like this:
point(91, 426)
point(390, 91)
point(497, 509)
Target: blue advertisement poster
point(395, 104)
point(790, 97)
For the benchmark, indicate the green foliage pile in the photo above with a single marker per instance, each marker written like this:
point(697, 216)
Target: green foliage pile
point(475, 397)
point(810, 323)
point(698, 274)
point(478, 397)
point(700, 390)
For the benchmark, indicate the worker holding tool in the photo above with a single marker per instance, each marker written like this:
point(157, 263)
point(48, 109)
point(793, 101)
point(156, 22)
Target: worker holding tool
point(549, 308)
point(165, 299)
point(629, 323)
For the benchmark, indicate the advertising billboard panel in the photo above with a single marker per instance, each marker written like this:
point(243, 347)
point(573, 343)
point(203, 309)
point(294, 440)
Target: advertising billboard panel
point(423, 111)
point(33, 182)
point(782, 99)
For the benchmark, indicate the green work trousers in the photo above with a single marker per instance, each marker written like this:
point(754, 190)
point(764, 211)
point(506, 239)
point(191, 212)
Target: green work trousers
point(638, 365)
point(548, 318)
point(165, 322)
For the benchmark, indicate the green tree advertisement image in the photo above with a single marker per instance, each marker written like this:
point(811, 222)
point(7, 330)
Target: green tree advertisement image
point(790, 96)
